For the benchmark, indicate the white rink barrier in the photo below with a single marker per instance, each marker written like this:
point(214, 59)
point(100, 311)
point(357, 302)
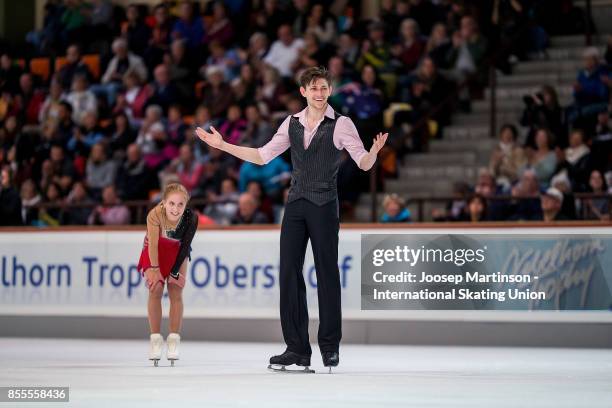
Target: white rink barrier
point(232, 274)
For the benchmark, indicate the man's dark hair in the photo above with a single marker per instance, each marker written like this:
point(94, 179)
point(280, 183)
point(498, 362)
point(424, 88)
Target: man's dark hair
point(314, 73)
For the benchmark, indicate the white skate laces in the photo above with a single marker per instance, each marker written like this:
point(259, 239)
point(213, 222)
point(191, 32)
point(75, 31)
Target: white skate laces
point(172, 352)
point(155, 349)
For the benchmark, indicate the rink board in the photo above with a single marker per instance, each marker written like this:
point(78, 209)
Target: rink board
point(232, 274)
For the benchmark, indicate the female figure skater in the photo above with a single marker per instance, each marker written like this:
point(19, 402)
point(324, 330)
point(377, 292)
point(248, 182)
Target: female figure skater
point(170, 230)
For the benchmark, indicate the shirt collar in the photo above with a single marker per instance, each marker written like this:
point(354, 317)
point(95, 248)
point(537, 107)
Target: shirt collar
point(301, 115)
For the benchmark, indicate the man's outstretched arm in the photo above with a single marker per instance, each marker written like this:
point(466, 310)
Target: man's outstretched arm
point(214, 139)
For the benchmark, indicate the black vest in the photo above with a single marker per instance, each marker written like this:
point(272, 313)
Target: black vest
point(315, 170)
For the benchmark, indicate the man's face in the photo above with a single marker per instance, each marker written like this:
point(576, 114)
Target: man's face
point(550, 203)
point(284, 34)
point(316, 93)
point(72, 54)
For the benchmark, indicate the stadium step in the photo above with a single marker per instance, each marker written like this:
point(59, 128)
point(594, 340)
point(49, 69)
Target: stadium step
point(548, 66)
point(538, 79)
point(437, 159)
point(484, 118)
point(481, 146)
point(459, 132)
point(437, 172)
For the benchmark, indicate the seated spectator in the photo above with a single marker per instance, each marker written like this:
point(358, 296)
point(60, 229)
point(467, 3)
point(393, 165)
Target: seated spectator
point(81, 99)
point(591, 90)
point(111, 212)
point(181, 68)
point(601, 147)
point(577, 161)
point(542, 110)
point(163, 91)
point(133, 176)
point(562, 183)
point(438, 45)
point(273, 176)
point(284, 51)
point(161, 28)
point(50, 109)
point(51, 214)
point(30, 198)
point(410, 46)
point(543, 159)
point(9, 74)
point(395, 209)
point(66, 125)
point(63, 169)
point(526, 206)
point(85, 136)
point(189, 26)
point(507, 158)
point(234, 127)
point(476, 209)
point(188, 169)
point(272, 94)
point(488, 188)
point(10, 202)
point(263, 199)
point(221, 28)
point(101, 171)
point(175, 126)
point(375, 51)
point(80, 206)
point(123, 61)
point(136, 31)
point(133, 100)
point(364, 102)
point(223, 206)
point(312, 54)
point(466, 55)
point(29, 100)
point(122, 135)
point(258, 131)
point(552, 200)
point(321, 24)
point(74, 67)
point(597, 208)
point(244, 87)
point(217, 94)
point(247, 211)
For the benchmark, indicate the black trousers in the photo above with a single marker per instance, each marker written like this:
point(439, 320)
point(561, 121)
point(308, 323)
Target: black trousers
point(305, 220)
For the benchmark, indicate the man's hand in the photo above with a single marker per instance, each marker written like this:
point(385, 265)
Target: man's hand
point(379, 142)
point(369, 159)
point(214, 139)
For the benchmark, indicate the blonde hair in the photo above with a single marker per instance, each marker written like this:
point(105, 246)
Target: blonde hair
point(394, 198)
point(175, 188)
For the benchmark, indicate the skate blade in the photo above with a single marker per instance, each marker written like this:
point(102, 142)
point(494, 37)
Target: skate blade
point(172, 360)
point(155, 361)
point(283, 369)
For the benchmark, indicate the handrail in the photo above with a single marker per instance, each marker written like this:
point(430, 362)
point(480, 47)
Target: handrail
point(138, 205)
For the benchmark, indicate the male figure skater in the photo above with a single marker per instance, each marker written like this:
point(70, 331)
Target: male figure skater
point(316, 136)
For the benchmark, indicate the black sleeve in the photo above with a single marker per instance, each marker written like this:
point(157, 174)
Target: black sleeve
point(190, 226)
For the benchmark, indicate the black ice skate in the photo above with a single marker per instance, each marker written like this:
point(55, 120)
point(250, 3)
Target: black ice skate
point(281, 362)
point(330, 359)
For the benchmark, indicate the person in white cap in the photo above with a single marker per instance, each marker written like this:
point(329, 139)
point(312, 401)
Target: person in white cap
point(552, 201)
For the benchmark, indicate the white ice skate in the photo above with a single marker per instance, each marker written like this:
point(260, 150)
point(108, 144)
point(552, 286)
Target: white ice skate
point(172, 353)
point(155, 350)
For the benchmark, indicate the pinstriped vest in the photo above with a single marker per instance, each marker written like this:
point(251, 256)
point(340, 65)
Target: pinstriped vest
point(315, 169)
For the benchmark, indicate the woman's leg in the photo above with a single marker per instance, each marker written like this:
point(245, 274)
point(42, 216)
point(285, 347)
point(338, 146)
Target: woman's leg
point(155, 308)
point(175, 292)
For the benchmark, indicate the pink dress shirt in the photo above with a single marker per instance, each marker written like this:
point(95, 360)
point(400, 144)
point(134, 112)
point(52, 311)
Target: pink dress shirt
point(345, 137)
